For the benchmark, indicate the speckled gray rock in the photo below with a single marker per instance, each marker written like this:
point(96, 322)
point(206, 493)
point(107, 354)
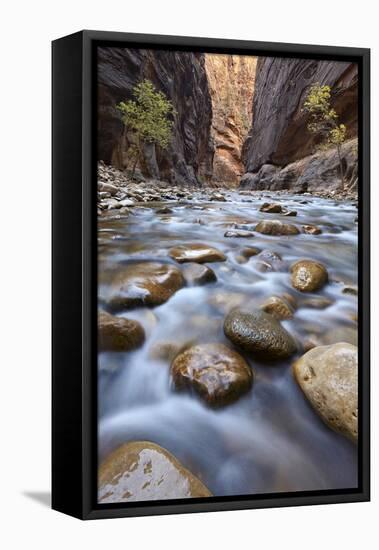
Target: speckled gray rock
point(328, 376)
point(259, 333)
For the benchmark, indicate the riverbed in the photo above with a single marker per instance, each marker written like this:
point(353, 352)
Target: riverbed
point(270, 440)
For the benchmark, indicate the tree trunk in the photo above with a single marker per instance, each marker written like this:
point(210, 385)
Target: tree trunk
point(341, 167)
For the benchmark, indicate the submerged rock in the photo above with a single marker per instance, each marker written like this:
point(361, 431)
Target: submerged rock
point(249, 251)
point(341, 334)
point(308, 275)
point(328, 376)
point(216, 373)
point(278, 307)
point(118, 333)
point(317, 303)
point(197, 274)
point(311, 229)
point(142, 284)
point(200, 253)
point(259, 333)
point(167, 351)
point(276, 227)
point(235, 233)
point(141, 470)
point(268, 260)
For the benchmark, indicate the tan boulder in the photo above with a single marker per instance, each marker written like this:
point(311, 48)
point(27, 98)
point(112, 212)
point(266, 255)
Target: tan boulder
point(328, 376)
point(140, 471)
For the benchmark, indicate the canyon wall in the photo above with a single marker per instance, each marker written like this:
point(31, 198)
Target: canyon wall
point(231, 83)
point(279, 134)
point(182, 78)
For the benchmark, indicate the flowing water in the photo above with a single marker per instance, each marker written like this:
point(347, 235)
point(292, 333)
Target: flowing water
point(270, 440)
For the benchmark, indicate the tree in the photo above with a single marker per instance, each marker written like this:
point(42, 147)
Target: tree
point(147, 116)
point(324, 121)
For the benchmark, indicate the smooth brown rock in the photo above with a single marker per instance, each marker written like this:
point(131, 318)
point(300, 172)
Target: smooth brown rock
point(200, 253)
point(276, 227)
point(141, 470)
point(118, 333)
point(328, 376)
point(142, 284)
point(216, 373)
point(259, 333)
point(308, 275)
point(278, 307)
point(197, 274)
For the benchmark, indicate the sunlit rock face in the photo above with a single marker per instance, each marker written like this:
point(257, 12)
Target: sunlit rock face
point(231, 83)
point(278, 133)
point(182, 78)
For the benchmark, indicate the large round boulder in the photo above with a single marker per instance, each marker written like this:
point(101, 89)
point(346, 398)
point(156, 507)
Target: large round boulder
point(200, 253)
point(308, 275)
point(216, 373)
point(118, 333)
point(276, 227)
point(142, 284)
point(141, 470)
point(328, 376)
point(259, 333)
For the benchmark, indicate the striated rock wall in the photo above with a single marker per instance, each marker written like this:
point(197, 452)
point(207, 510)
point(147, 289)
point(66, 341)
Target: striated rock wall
point(182, 78)
point(231, 82)
point(279, 134)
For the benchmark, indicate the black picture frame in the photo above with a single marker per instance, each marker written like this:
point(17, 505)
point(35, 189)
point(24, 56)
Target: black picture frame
point(74, 315)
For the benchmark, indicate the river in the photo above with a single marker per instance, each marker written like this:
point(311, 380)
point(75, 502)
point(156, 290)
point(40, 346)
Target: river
point(270, 440)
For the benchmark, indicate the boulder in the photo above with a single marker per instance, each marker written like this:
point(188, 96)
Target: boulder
point(198, 274)
point(259, 333)
point(118, 333)
point(200, 253)
point(216, 373)
point(308, 275)
point(276, 227)
point(328, 376)
point(141, 470)
point(142, 284)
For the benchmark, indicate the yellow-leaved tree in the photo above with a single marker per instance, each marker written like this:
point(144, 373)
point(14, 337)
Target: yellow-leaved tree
point(149, 117)
point(324, 121)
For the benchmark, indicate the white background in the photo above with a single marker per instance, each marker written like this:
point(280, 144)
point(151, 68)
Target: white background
point(27, 29)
